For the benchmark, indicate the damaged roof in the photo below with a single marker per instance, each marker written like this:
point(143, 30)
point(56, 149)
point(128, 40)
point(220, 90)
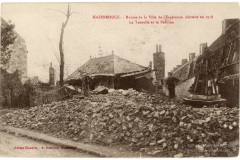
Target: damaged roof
point(111, 65)
point(231, 34)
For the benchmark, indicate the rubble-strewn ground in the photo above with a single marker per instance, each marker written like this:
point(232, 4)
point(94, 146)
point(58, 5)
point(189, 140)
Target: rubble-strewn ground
point(136, 121)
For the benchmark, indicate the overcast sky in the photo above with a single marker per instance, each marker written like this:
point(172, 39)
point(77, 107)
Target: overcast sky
point(39, 24)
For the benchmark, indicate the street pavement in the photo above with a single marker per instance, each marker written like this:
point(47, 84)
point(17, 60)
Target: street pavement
point(17, 146)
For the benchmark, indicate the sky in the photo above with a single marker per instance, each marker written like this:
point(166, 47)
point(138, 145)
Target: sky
point(40, 25)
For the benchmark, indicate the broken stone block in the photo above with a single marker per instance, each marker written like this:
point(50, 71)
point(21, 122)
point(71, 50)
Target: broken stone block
point(101, 90)
point(125, 93)
point(111, 90)
point(199, 148)
point(179, 155)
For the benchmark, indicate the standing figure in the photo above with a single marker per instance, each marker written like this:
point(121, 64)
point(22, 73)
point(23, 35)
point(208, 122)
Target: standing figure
point(85, 85)
point(171, 82)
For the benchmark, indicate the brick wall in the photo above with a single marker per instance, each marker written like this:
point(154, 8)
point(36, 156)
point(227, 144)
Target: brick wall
point(159, 64)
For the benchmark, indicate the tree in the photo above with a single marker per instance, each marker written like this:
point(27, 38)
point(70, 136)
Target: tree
point(64, 24)
point(7, 38)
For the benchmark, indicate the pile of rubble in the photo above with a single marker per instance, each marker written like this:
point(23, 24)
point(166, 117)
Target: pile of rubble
point(152, 124)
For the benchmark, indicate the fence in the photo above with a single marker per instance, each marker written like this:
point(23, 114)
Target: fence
point(54, 95)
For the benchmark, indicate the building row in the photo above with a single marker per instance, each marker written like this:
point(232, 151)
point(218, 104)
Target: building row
point(216, 64)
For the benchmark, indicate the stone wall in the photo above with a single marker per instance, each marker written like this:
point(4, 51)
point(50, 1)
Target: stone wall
point(14, 73)
point(11, 89)
point(18, 59)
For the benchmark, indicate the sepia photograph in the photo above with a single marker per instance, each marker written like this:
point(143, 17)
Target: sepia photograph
point(119, 80)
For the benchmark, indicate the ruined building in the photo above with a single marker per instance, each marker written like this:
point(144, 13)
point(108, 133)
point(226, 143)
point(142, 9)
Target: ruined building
point(14, 73)
point(113, 71)
point(220, 61)
point(18, 59)
point(51, 75)
point(159, 64)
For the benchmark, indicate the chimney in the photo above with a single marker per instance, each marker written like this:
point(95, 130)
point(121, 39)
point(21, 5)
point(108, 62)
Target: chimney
point(226, 23)
point(202, 47)
point(159, 48)
point(174, 69)
point(184, 61)
point(191, 56)
point(159, 63)
point(178, 66)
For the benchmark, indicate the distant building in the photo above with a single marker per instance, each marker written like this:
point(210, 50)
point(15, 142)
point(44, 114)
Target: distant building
point(34, 80)
point(51, 75)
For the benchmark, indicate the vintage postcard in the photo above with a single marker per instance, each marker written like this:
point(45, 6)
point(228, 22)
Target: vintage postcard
point(119, 80)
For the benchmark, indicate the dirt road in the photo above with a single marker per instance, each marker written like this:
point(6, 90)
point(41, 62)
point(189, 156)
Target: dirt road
point(16, 146)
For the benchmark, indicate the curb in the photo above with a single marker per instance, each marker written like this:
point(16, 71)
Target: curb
point(99, 151)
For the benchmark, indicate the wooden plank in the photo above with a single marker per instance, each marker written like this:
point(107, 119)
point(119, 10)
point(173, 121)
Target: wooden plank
point(196, 83)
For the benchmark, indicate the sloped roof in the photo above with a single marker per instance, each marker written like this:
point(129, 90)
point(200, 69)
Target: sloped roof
point(231, 34)
point(218, 43)
point(108, 65)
